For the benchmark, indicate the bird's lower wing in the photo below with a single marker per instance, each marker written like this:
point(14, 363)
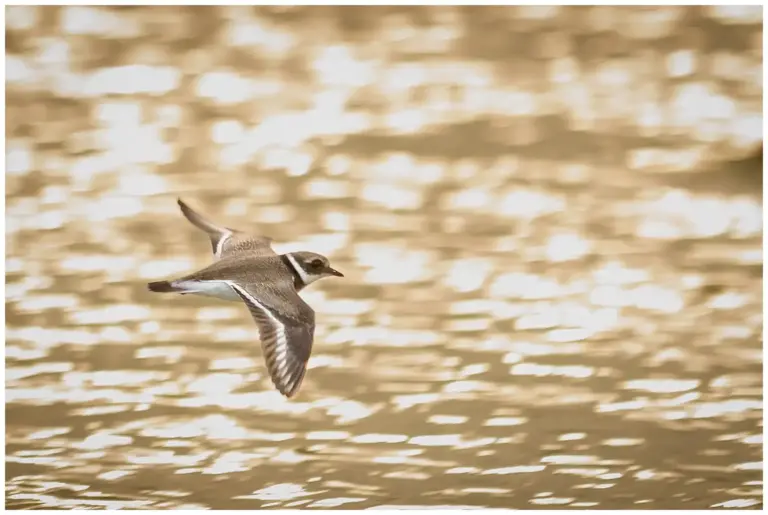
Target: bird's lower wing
point(286, 340)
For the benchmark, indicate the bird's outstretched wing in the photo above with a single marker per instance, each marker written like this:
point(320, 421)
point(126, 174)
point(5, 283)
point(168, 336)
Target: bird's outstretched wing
point(225, 241)
point(286, 338)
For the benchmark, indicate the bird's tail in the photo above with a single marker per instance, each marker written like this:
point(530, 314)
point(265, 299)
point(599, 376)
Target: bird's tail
point(162, 287)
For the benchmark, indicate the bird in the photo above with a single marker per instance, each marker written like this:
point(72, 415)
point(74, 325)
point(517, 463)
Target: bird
point(245, 268)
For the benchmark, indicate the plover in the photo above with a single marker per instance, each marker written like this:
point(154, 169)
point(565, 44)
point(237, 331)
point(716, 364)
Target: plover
point(245, 268)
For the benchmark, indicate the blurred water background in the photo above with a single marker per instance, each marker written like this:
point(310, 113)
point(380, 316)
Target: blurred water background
point(549, 219)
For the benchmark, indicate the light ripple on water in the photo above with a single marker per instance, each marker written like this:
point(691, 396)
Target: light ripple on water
point(492, 325)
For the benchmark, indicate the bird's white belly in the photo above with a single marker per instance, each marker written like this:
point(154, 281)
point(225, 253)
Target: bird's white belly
point(218, 289)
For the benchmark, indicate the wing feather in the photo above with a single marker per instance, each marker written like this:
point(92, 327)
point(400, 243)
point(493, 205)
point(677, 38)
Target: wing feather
point(225, 241)
point(285, 340)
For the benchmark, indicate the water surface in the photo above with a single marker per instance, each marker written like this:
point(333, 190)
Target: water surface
point(539, 310)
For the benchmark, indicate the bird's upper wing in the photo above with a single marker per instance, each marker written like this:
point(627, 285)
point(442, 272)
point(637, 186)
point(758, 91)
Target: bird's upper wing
point(227, 242)
point(286, 335)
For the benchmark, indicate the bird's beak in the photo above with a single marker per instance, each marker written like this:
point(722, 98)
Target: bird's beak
point(331, 271)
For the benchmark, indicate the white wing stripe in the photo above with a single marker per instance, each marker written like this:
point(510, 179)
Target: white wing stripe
point(220, 244)
point(281, 342)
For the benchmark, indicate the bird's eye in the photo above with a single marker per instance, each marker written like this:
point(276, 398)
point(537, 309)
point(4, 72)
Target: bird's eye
point(316, 263)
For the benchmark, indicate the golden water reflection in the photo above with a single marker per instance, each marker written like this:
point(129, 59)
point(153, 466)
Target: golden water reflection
point(549, 301)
